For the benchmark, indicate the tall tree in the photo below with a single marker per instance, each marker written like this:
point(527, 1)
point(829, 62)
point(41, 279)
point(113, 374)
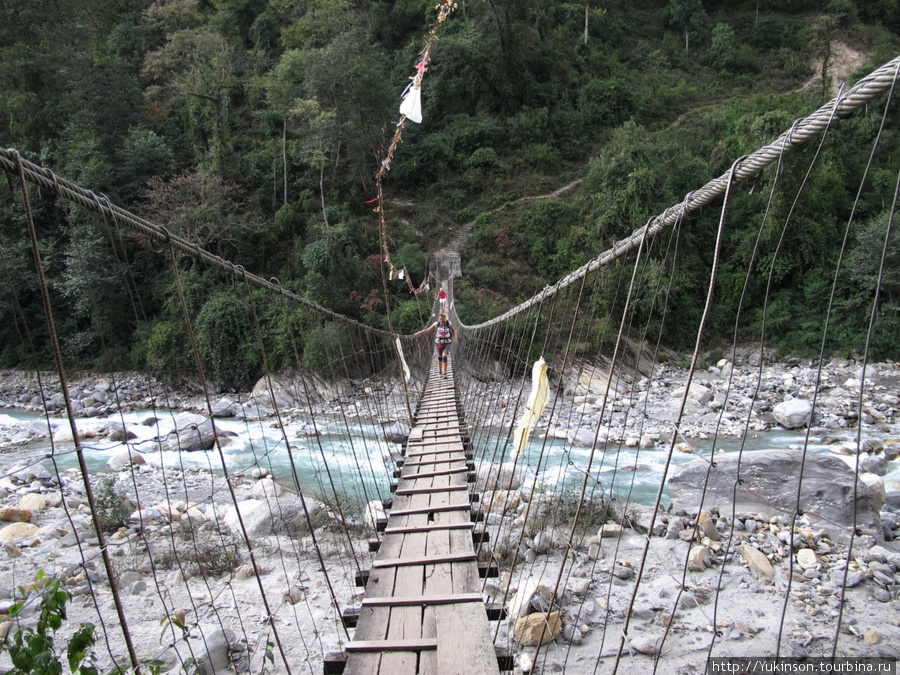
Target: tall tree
point(689, 16)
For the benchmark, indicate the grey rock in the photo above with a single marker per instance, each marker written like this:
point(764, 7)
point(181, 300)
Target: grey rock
point(286, 517)
point(506, 476)
point(886, 651)
point(541, 542)
point(145, 515)
point(218, 652)
point(117, 432)
point(137, 587)
point(124, 458)
point(224, 407)
point(645, 644)
point(826, 494)
point(192, 433)
point(877, 554)
point(883, 579)
point(853, 579)
point(673, 528)
point(793, 414)
point(873, 464)
point(128, 578)
point(881, 594)
point(622, 572)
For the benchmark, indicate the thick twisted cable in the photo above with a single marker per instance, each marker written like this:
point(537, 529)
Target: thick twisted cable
point(877, 82)
point(46, 179)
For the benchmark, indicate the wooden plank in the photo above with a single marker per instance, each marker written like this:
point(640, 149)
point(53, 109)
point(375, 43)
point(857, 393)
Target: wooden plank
point(424, 453)
point(402, 492)
point(432, 474)
point(443, 460)
point(407, 645)
point(424, 559)
point(429, 527)
point(432, 509)
point(405, 622)
point(447, 599)
point(472, 628)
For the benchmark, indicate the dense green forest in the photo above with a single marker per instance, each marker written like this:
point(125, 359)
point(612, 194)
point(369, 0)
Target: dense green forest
point(255, 127)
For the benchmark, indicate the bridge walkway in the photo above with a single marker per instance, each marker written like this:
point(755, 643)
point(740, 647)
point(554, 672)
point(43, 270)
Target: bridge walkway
point(423, 610)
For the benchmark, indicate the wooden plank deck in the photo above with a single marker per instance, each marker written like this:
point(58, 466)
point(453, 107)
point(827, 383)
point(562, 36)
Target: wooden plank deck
point(423, 611)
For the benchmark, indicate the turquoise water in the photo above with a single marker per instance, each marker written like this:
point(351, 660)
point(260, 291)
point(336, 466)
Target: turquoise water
point(319, 461)
point(360, 467)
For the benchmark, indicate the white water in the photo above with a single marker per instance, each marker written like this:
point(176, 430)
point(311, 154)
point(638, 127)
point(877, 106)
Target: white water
point(359, 467)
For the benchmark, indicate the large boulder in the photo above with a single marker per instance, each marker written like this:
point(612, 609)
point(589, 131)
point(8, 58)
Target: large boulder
point(116, 431)
point(124, 458)
point(216, 657)
point(192, 432)
point(284, 515)
point(266, 488)
point(769, 483)
point(793, 414)
point(585, 437)
point(697, 392)
point(224, 407)
point(287, 390)
point(538, 628)
point(16, 531)
point(506, 476)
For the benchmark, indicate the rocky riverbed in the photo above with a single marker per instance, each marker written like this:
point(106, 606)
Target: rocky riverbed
point(750, 579)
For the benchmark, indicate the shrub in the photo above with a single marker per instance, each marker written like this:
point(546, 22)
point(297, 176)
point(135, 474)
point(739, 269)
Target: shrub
point(113, 507)
point(211, 553)
point(544, 157)
point(484, 158)
point(465, 215)
point(31, 649)
point(407, 316)
point(323, 345)
point(226, 340)
point(606, 102)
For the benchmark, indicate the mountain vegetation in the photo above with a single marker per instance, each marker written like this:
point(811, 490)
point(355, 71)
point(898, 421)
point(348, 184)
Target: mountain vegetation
point(254, 128)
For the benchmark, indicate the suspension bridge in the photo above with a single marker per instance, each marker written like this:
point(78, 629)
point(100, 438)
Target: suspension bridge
point(473, 558)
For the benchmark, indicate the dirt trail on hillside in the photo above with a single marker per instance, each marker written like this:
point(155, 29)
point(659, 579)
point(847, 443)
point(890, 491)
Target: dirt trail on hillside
point(455, 244)
point(844, 61)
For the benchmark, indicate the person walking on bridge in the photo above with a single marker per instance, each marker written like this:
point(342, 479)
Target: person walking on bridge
point(444, 336)
point(442, 296)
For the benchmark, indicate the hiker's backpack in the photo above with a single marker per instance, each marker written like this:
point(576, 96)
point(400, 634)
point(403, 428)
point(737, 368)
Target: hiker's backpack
point(444, 334)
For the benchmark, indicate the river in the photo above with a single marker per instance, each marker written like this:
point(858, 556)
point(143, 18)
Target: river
point(331, 458)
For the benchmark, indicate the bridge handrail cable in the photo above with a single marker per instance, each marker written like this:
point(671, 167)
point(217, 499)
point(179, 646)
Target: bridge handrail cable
point(863, 92)
point(10, 160)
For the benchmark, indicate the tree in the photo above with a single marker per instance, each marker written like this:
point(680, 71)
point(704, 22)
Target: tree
point(722, 47)
point(194, 73)
point(201, 207)
point(837, 14)
point(688, 15)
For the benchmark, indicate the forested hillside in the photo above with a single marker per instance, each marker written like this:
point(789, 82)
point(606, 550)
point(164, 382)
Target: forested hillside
point(255, 128)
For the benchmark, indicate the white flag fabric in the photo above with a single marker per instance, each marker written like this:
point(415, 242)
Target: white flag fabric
point(537, 399)
point(402, 359)
point(412, 104)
